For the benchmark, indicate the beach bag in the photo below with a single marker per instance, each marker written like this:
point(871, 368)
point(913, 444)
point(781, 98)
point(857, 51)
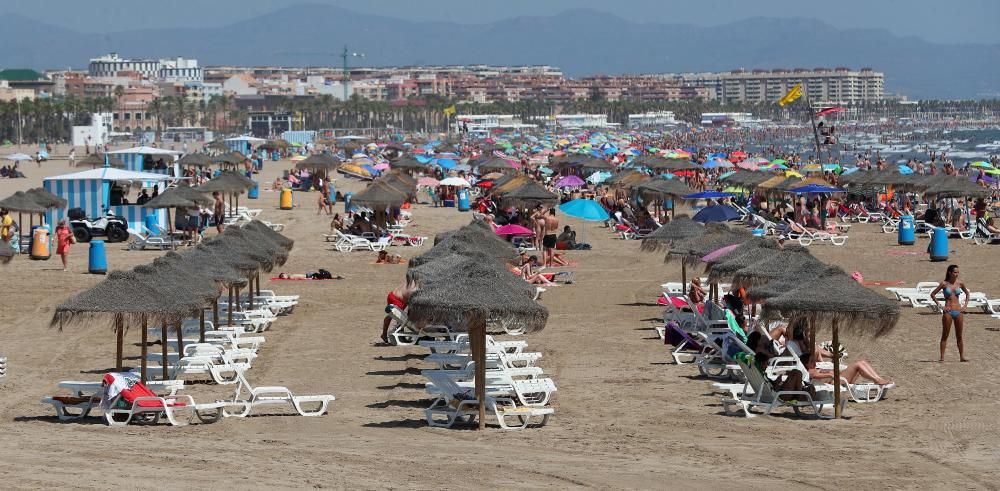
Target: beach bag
point(323, 274)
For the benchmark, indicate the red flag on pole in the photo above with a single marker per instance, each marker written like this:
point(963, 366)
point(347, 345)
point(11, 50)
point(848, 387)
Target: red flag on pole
point(830, 110)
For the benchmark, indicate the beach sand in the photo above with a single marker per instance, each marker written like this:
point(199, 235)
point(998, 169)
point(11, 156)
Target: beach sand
point(625, 416)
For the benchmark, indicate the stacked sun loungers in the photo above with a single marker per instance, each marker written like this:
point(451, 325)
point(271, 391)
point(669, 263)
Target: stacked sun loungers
point(224, 357)
point(517, 391)
point(709, 338)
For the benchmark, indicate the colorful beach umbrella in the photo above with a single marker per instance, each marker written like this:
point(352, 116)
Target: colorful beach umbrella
point(584, 209)
point(513, 229)
point(716, 213)
point(427, 181)
point(570, 182)
point(716, 254)
point(708, 195)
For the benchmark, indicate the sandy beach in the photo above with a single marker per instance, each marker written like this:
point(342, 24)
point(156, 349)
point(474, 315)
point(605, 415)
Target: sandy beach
point(626, 417)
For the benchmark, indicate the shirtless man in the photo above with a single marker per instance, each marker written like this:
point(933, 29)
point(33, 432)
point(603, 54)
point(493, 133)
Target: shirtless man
point(549, 241)
point(218, 211)
point(398, 298)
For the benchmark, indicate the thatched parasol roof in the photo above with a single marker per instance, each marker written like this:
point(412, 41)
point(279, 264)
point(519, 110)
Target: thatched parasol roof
point(203, 264)
point(958, 187)
point(479, 292)
point(22, 203)
point(443, 264)
point(745, 254)
point(192, 194)
point(218, 145)
point(715, 237)
point(178, 283)
point(225, 183)
point(318, 161)
point(529, 194)
point(169, 199)
point(791, 280)
point(195, 160)
point(277, 238)
point(406, 162)
point(379, 194)
point(836, 298)
point(124, 296)
point(267, 253)
point(221, 255)
point(626, 179)
point(680, 228)
point(773, 267)
point(508, 183)
point(598, 164)
point(660, 188)
point(495, 163)
point(45, 198)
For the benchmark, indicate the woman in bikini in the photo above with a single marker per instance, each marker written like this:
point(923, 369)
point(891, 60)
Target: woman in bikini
point(953, 309)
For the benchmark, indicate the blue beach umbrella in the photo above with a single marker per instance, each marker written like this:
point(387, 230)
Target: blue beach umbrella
point(816, 188)
point(584, 209)
point(716, 213)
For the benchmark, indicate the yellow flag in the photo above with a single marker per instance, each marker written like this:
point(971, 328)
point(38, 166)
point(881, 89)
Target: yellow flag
point(448, 111)
point(791, 96)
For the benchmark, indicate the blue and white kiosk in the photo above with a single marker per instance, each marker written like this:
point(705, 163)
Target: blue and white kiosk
point(97, 190)
point(149, 159)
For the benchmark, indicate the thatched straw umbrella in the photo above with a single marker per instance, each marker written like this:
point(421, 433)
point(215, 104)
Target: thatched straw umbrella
point(23, 203)
point(201, 264)
point(218, 145)
point(126, 299)
point(45, 198)
point(691, 250)
point(508, 183)
point(319, 162)
point(195, 160)
point(170, 199)
point(406, 162)
point(596, 164)
point(530, 194)
point(680, 228)
point(957, 187)
point(627, 178)
point(745, 254)
point(258, 226)
point(195, 195)
point(772, 267)
point(472, 238)
point(379, 196)
point(659, 189)
point(474, 295)
point(230, 183)
point(841, 302)
point(791, 280)
point(496, 164)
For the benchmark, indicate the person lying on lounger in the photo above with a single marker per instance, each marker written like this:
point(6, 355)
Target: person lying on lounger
point(385, 258)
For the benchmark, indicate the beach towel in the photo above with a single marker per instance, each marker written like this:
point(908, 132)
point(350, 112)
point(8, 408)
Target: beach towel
point(114, 384)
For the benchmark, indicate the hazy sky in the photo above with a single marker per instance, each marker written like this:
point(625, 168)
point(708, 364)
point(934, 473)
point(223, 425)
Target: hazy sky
point(943, 21)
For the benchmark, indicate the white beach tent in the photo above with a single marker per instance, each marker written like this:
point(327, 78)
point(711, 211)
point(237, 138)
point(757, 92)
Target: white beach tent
point(90, 191)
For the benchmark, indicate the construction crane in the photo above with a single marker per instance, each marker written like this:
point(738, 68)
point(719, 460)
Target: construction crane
point(344, 56)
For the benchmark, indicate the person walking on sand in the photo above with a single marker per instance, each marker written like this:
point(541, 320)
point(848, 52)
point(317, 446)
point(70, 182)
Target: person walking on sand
point(64, 239)
point(218, 210)
point(952, 312)
point(549, 240)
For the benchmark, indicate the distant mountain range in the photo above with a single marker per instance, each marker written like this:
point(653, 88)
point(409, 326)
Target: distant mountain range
point(581, 42)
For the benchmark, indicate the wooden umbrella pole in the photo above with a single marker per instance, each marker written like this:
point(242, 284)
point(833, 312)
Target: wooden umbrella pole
point(201, 325)
point(684, 275)
point(229, 308)
point(249, 294)
point(238, 303)
point(258, 284)
point(477, 341)
point(163, 348)
point(180, 339)
point(836, 371)
point(145, 328)
point(120, 327)
point(215, 313)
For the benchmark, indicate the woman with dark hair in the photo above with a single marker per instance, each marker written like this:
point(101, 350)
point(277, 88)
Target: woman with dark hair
point(953, 311)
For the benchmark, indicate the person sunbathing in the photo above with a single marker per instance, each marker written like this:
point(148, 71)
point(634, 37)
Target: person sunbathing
point(558, 259)
point(386, 258)
point(852, 372)
point(527, 272)
point(991, 226)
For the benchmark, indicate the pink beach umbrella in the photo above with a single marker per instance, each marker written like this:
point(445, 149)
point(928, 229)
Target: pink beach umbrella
point(716, 254)
point(382, 166)
point(514, 230)
point(427, 181)
point(570, 182)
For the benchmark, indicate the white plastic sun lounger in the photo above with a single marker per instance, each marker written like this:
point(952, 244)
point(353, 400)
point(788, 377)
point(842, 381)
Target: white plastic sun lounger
point(457, 404)
point(261, 396)
point(761, 394)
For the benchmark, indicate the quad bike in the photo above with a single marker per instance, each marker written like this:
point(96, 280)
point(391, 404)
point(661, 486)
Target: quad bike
point(114, 227)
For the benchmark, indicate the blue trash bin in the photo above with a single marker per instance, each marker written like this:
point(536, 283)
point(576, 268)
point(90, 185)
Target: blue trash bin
point(939, 244)
point(907, 231)
point(98, 261)
point(463, 200)
point(254, 191)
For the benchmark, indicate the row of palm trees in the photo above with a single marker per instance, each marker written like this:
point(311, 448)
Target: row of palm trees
point(52, 119)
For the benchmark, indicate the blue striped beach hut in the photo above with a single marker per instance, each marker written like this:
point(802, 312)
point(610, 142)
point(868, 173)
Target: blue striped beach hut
point(242, 144)
point(91, 191)
point(145, 159)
